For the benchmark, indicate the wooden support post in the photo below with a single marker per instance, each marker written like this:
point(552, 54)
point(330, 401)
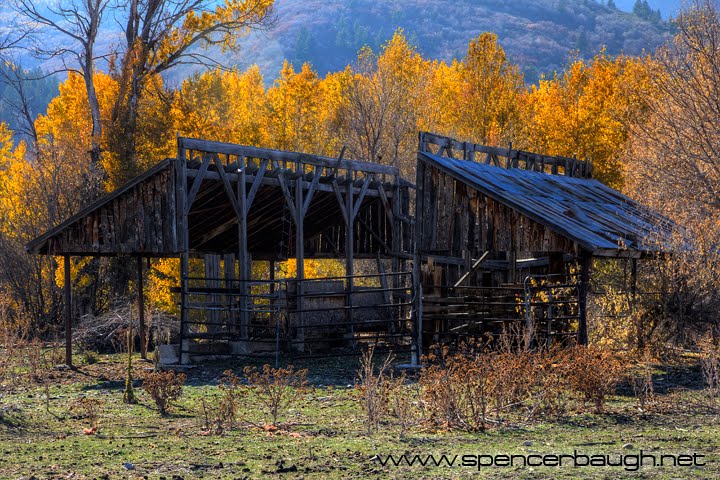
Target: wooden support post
point(183, 236)
point(243, 255)
point(141, 309)
point(68, 311)
point(230, 277)
point(585, 264)
point(416, 290)
point(349, 254)
point(396, 228)
point(300, 262)
point(633, 284)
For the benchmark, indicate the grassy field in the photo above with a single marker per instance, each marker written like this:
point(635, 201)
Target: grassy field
point(324, 433)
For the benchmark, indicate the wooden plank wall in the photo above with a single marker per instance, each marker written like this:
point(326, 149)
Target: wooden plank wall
point(459, 221)
point(142, 220)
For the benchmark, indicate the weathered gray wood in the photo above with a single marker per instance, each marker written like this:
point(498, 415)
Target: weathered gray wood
point(228, 188)
point(257, 181)
point(349, 259)
point(472, 270)
point(361, 197)
point(286, 191)
point(585, 265)
point(389, 211)
point(197, 182)
point(311, 190)
point(278, 155)
point(339, 197)
point(572, 166)
point(324, 185)
point(300, 264)
point(243, 255)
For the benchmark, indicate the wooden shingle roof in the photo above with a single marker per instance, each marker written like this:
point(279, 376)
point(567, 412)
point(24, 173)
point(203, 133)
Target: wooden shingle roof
point(598, 218)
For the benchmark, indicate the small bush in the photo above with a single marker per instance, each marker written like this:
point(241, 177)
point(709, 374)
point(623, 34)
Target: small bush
point(89, 408)
point(595, 374)
point(90, 357)
point(458, 391)
point(276, 388)
point(641, 380)
point(401, 399)
point(372, 386)
point(230, 400)
point(710, 366)
point(164, 387)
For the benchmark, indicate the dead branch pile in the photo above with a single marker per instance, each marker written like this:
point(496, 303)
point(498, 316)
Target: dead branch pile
point(108, 332)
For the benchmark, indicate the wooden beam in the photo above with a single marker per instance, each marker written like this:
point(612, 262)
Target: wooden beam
point(300, 264)
point(286, 190)
point(325, 184)
point(361, 197)
point(226, 185)
point(311, 190)
point(385, 202)
point(584, 287)
point(472, 270)
point(257, 181)
point(339, 196)
point(279, 155)
point(243, 254)
point(197, 182)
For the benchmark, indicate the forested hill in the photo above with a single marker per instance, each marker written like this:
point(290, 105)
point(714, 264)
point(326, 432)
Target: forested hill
point(537, 34)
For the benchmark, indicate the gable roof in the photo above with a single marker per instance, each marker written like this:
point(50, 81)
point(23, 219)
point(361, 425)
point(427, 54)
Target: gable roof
point(598, 218)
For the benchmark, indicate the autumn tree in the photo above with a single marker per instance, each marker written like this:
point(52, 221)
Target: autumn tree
point(160, 35)
point(673, 163)
point(226, 106)
point(296, 119)
point(583, 112)
point(78, 23)
point(489, 102)
point(378, 115)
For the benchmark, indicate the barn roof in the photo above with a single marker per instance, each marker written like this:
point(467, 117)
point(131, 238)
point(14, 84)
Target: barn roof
point(598, 218)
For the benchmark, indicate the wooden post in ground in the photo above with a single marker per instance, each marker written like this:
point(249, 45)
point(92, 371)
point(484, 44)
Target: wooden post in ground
point(585, 264)
point(141, 309)
point(349, 254)
point(299, 262)
point(243, 255)
point(68, 311)
point(416, 290)
point(183, 236)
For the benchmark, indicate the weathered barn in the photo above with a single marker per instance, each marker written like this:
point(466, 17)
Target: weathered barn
point(230, 205)
point(502, 239)
point(506, 235)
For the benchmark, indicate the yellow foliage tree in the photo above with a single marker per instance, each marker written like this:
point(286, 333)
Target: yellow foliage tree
point(581, 113)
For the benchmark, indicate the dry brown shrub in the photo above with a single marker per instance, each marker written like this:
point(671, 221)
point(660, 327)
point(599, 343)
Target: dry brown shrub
point(463, 389)
point(232, 395)
point(164, 387)
point(277, 388)
point(402, 401)
point(386, 395)
point(640, 379)
point(457, 391)
point(89, 408)
point(710, 366)
point(372, 384)
point(595, 373)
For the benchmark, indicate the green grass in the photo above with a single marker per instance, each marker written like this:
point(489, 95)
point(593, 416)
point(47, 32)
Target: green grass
point(333, 443)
